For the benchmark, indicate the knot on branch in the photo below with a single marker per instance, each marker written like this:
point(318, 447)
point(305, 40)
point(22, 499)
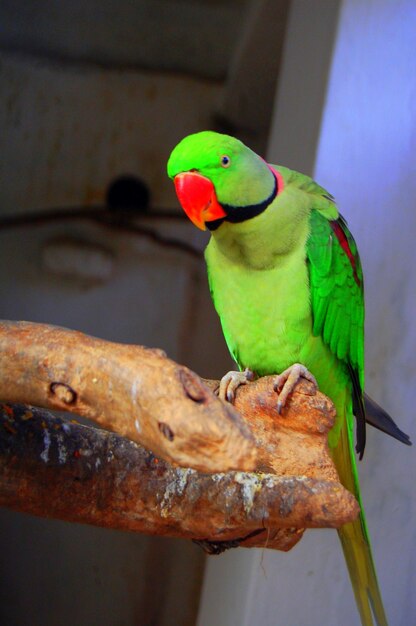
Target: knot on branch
point(63, 393)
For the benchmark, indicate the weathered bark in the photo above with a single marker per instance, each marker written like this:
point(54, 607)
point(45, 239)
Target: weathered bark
point(135, 391)
point(287, 484)
point(294, 443)
point(55, 468)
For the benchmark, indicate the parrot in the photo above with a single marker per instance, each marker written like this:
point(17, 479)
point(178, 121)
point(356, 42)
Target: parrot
point(287, 283)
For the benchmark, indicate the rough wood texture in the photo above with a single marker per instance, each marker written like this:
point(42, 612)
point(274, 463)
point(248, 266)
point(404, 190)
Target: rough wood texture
point(135, 391)
point(294, 443)
point(285, 482)
point(53, 468)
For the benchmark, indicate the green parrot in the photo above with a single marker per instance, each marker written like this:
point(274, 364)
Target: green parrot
point(286, 280)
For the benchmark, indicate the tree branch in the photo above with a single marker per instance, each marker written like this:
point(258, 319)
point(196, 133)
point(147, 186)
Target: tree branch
point(53, 468)
point(285, 479)
point(133, 390)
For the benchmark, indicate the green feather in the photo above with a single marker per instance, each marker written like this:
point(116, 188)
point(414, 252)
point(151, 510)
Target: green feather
point(287, 285)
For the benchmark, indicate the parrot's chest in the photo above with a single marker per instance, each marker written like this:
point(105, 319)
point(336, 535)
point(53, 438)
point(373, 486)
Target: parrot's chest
point(265, 314)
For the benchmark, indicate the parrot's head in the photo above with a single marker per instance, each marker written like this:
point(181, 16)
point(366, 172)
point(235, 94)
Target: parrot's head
point(217, 178)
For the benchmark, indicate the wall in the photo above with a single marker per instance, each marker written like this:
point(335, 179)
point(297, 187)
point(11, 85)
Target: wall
point(70, 129)
point(365, 157)
point(67, 131)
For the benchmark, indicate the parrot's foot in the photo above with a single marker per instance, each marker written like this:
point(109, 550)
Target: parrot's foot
point(231, 381)
point(285, 382)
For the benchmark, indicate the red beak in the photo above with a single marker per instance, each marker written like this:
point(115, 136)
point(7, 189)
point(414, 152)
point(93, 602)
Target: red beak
point(197, 196)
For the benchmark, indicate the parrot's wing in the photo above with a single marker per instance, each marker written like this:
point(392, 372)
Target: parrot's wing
point(337, 300)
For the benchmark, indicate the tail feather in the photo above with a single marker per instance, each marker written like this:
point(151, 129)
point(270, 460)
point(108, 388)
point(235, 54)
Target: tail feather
point(355, 539)
point(359, 560)
point(379, 418)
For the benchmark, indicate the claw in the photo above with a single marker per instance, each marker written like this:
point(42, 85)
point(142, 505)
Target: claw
point(285, 383)
point(231, 381)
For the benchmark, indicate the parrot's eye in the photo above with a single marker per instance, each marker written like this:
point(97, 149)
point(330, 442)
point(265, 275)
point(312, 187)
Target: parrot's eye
point(225, 161)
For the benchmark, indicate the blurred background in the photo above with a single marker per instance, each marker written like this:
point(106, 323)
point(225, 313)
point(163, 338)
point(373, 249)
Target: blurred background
point(93, 97)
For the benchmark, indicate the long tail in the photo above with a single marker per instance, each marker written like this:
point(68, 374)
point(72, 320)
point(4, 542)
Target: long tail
point(355, 538)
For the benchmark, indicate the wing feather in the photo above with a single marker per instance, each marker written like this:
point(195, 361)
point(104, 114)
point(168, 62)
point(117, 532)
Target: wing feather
point(337, 301)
